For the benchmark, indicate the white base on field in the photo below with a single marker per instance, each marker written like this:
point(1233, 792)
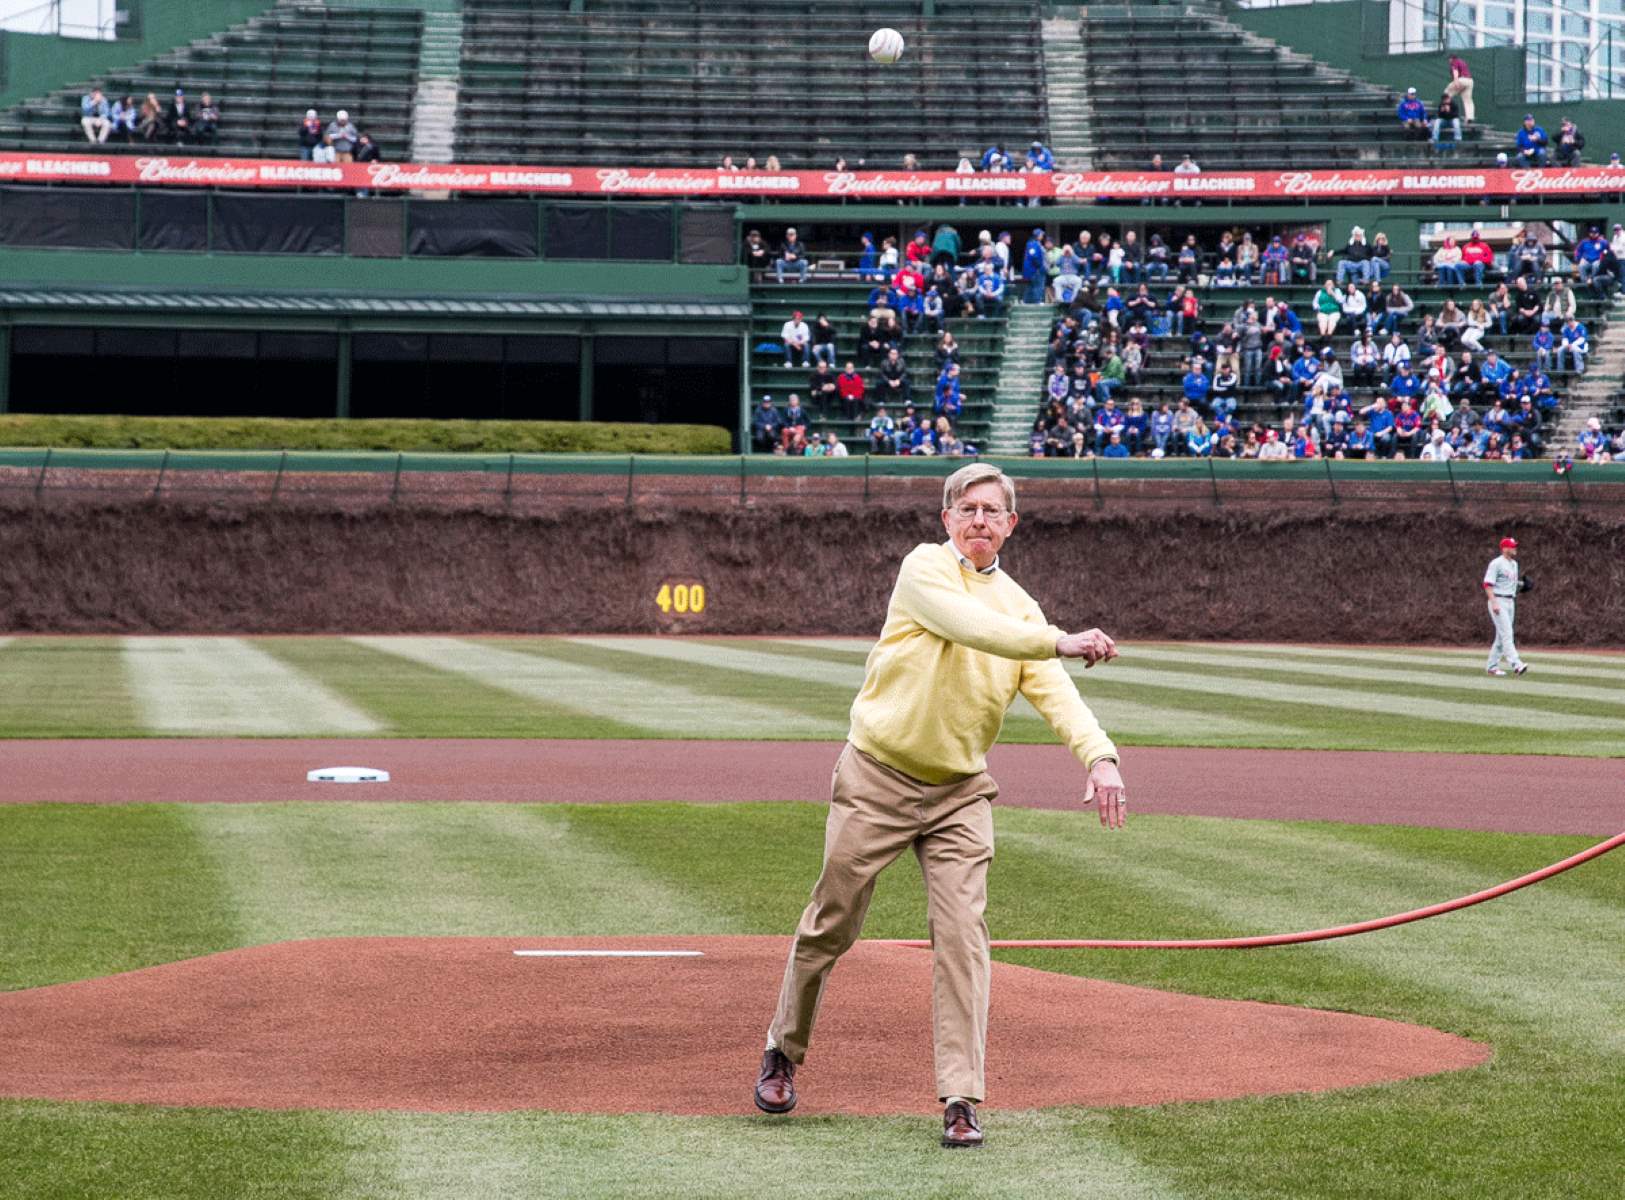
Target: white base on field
point(347, 775)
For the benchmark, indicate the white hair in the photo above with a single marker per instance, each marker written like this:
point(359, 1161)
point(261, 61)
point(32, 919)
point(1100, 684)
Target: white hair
point(962, 480)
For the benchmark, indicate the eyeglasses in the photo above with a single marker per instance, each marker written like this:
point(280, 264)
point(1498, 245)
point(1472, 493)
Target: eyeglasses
point(990, 512)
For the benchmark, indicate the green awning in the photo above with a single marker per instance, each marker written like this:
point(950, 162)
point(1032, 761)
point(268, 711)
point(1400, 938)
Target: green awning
point(331, 304)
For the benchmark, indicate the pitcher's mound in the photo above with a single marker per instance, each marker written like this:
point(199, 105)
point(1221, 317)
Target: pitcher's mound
point(458, 1024)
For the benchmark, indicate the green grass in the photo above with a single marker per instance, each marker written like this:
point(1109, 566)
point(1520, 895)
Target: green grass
point(1154, 695)
point(393, 434)
point(84, 891)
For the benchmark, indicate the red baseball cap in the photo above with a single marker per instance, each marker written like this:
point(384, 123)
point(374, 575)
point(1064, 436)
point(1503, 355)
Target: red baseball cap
point(1509, 543)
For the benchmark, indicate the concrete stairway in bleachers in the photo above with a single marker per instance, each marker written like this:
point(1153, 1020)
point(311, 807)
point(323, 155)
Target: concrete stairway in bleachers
point(1021, 375)
point(434, 106)
point(1596, 393)
point(1066, 93)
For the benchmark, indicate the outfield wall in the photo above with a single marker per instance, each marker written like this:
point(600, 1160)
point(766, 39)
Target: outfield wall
point(1302, 572)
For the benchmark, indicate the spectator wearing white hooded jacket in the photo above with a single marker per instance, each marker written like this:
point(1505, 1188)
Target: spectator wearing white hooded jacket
point(344, 136)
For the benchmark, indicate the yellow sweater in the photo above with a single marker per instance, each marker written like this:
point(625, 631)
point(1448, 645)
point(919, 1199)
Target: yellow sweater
point(956, 648)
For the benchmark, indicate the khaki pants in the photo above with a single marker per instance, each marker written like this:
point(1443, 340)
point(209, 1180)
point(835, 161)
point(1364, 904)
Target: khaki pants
point(1462, 90)
point(875, 814)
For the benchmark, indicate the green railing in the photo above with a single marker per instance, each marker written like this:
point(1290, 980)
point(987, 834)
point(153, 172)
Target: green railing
point(523, 479)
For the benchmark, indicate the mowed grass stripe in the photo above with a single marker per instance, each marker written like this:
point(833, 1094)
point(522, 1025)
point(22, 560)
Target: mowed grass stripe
point(1466, 677)
point(1322, 726)
point(90, 890)
point(1119, 716)
point(653, 1157)
point(1344, 693)
point(419, 700)
point(1540, 959)
point(228, 686)
point(141, 1152)
point(580, 680)
point(432, 870)
point(65, 687)
point(721, 702)
point(1599, 669)
point(1477, 686)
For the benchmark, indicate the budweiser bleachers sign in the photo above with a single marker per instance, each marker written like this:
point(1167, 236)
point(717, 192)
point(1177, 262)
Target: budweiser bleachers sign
point(1080, 187)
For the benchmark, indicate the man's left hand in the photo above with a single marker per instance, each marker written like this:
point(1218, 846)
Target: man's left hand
point(1106, 786)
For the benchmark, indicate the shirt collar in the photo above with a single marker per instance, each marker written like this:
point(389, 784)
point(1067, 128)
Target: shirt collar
point(970, 566)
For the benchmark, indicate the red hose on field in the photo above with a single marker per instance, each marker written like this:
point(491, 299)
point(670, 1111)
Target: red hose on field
point(1311, 935)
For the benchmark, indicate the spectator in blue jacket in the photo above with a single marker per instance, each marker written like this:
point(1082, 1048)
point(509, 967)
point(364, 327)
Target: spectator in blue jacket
point(1039, 162)
point(1405, 385)
point(882, 432)
point(989, 292)
point(1196, 385)
point(1162, 428)
point(1135, 425)
point(1304, 372)
point(1588, 255)
point(1494, 372)
point(1576, 344)
point(765, 425)
point(1532, 143)
point(869, 260)
point(1034, 269)
point(1109, 419)
point(994, 157)
point(93, 116)
point(1360, 443)
point(1412, 114)
point(1381, 426)
point(126, 119)
point(1544, 344)
point(950, 401)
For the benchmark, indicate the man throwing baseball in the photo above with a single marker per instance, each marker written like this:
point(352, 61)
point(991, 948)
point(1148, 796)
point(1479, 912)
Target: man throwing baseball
point(1501, 589)
point(961, 640)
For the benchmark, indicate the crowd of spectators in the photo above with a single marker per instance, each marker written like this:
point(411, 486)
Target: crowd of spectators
point(1410, 383)
point(1415, 384)
point(339, 140)
point(181, 122)
point(873, 384)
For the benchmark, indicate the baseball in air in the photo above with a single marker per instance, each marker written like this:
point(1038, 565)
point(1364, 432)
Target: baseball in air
point(885, 45)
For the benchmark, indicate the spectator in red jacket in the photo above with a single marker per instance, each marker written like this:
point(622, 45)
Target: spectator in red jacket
point(850, 387)
point(1477, 254)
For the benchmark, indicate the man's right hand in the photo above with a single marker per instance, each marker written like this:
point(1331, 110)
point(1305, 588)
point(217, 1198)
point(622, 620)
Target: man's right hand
point(1091, 645)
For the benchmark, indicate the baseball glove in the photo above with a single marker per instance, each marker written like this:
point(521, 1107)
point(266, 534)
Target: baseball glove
point(1526, 583)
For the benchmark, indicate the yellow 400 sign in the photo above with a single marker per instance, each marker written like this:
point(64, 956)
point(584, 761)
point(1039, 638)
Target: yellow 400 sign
point(681, 598)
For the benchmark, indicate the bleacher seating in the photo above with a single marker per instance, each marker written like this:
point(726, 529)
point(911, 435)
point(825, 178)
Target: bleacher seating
point(1161, 380)
point(263, 74)
point(846, 304)
point(1165, 79)
point(682, 84)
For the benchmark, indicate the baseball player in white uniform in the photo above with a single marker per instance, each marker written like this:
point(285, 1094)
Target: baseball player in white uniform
point(1501, 590)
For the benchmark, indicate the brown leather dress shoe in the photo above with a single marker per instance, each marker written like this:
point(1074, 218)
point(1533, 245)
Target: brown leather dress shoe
point(776, 1085)
point(960, 1128)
